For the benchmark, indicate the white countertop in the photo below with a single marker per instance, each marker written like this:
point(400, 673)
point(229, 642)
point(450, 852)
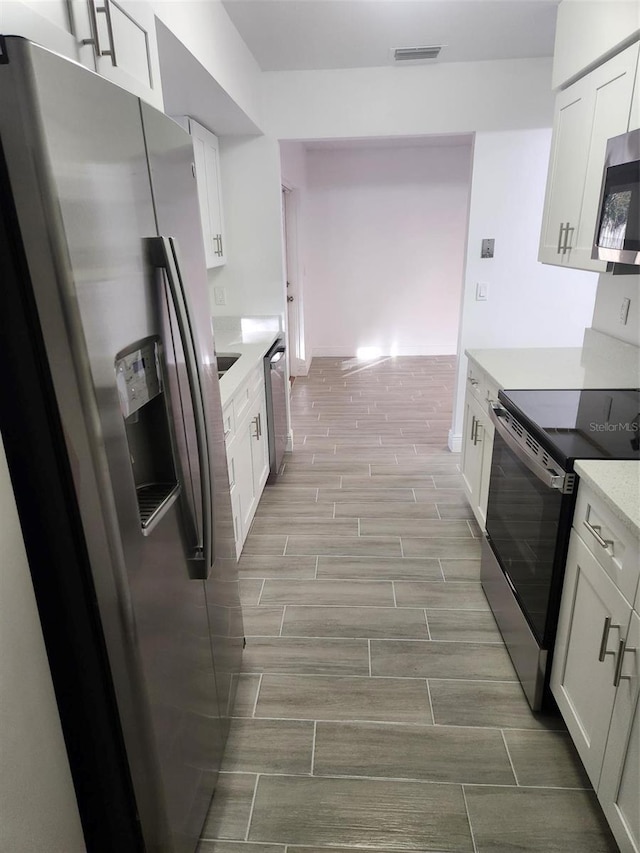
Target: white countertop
point(618, 484)
point(250, 337)
point(601, 362)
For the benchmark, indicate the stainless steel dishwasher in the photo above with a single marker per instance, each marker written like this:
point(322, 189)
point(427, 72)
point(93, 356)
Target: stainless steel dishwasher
point(275, 376)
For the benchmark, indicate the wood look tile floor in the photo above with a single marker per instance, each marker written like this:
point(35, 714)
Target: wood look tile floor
point(378, 709)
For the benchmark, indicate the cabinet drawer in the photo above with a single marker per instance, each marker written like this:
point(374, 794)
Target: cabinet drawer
point(612, 544)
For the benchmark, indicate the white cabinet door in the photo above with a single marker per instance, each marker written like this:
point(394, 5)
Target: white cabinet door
point(483, 492)
point(634, 117)
point(48, 24)
point(123, 33)
point(619, 789)
point(476, 461)
point(260, 445)
point(207, 162)
point(567, 168)
point(243, 471)
point(594, 617)
point(611, 89)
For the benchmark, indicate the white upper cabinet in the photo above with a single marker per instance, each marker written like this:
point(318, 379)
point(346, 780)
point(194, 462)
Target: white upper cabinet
point(48, 24)
point(124, 48)
point(634, 118)
point(587, 114)
point(207, 163)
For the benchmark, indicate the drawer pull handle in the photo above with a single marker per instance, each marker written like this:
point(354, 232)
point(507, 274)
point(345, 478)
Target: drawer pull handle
point(618, 677)
point(594, 530)
point(605, 639)
point(227, 432)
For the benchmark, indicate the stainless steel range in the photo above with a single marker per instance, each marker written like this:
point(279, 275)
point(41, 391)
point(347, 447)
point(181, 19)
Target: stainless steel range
point(532, 494)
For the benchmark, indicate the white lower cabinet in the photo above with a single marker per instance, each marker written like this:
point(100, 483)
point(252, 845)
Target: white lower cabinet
point(594, 619)
point(477, 443)
point(596, 667)
point(619, 788)
point(245, 419)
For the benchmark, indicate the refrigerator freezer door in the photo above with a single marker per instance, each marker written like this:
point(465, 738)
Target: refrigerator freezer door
point(76, 147)
point(173, 182)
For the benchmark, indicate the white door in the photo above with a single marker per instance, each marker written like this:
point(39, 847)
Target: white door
point(294, 322)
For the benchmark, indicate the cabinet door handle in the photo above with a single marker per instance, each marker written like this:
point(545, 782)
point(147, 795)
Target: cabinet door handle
point(618, 677)
point(559, 250)
point(105, 10)
point(256, 422)
point(473, 427)
point(476, 437)
point(594, 530)
point(566, 246)
point(605, 639)
point(259, 424)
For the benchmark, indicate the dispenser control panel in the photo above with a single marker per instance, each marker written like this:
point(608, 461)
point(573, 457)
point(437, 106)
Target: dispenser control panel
point(138, 377)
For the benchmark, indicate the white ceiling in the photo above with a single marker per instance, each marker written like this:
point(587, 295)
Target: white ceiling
point(314, 34)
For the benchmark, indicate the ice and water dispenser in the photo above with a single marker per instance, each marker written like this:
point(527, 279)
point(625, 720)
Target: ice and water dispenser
point(144, 408)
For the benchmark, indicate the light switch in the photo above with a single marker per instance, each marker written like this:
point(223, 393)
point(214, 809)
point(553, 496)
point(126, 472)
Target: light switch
point(482, 291)
point(220, 295)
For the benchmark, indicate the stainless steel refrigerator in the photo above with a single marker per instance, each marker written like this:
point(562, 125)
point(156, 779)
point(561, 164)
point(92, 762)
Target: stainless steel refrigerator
point(110, 416)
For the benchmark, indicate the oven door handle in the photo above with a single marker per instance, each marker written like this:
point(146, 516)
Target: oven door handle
point(550, 478)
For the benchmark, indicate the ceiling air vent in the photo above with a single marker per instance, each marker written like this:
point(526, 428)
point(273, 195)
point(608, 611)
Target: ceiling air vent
point(404, 54)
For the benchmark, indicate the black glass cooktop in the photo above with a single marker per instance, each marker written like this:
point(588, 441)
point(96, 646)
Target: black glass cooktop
point(574, 424)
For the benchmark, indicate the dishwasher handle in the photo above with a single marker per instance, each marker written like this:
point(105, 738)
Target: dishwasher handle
point(276, 357)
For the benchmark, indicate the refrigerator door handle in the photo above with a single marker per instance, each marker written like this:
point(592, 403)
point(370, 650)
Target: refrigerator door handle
point(164, 255)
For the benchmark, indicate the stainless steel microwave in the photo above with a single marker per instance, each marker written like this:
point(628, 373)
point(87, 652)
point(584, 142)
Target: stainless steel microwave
point(617, 236)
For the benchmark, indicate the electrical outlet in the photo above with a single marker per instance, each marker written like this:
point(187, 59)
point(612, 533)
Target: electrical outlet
point(624, 311)
point(220, 295)
point(482, 291)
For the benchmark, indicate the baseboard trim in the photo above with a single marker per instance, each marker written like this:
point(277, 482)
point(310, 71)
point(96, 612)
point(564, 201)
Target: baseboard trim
point(454, 441)
point(348, 351)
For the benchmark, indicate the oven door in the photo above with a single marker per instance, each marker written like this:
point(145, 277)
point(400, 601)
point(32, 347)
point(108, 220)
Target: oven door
point(528, 522)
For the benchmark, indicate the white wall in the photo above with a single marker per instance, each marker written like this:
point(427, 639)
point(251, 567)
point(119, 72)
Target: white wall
point(530, 304)
point(253, 277)
point(293, 161)
point(206, 30)
point(612, 289)
point(441, 98)
point(37, 799)
point(385, 247)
